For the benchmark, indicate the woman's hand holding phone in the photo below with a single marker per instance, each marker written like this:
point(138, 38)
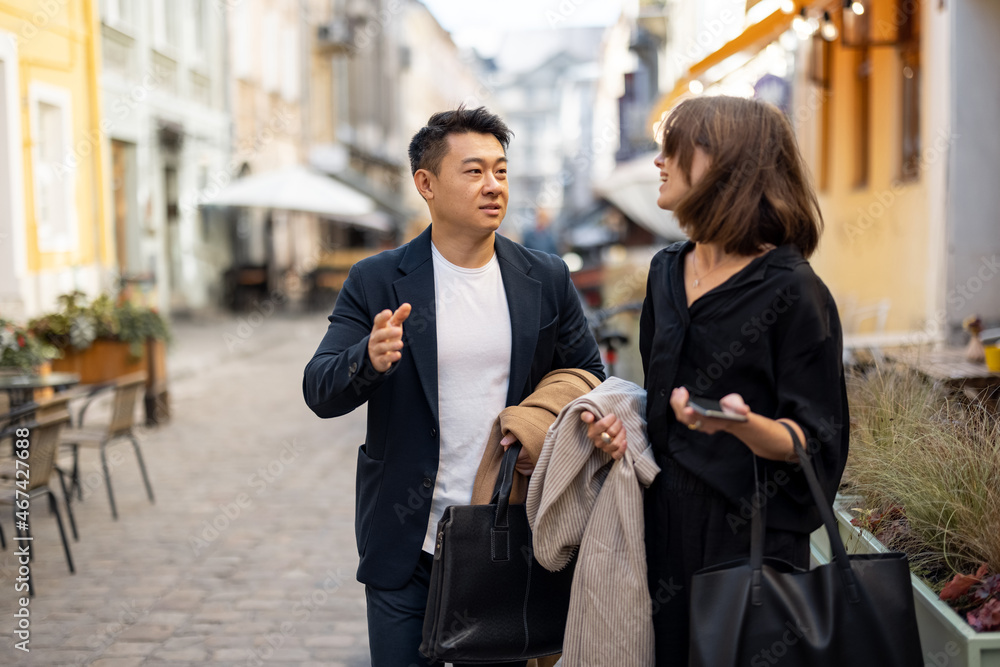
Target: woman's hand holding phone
point(708, 416)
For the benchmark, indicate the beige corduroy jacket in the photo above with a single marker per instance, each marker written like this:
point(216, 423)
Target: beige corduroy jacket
point(576, 498)
point(529, 421)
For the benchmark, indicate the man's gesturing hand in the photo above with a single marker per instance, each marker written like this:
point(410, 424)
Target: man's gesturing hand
point(386, 339)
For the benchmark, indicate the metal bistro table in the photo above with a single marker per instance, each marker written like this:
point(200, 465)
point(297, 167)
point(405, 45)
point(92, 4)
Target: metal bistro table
point(21, 388)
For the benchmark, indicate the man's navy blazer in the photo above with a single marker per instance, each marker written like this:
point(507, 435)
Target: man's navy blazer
point(398, 462)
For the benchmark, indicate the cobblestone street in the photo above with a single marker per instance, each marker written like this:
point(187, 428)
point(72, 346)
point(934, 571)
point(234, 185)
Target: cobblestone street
point(246, 558)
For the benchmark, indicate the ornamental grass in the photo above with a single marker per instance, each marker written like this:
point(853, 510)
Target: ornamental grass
point(927, 464)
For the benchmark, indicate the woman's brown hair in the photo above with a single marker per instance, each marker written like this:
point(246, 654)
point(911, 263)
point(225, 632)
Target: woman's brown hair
point(756, 190)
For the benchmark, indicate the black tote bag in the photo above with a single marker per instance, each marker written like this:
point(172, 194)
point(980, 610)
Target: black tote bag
point(489, 600)
point(857, 610)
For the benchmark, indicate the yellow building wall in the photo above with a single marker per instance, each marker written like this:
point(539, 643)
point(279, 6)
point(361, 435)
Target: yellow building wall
point(876, 242)
point(57, 45)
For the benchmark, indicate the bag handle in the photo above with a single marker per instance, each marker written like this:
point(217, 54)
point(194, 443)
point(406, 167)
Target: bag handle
point(504, 483)
point(840, 557)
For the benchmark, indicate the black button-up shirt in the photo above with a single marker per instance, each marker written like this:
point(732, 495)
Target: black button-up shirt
point(770, 333)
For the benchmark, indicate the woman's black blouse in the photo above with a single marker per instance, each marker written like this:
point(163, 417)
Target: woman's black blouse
point(770, 333)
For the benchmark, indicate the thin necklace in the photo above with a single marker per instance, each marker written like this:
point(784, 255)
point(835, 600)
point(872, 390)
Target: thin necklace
point(694, 268)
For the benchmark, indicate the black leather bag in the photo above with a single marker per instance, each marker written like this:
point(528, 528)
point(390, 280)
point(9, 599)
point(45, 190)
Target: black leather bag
point(857, 610)
point(489, 599)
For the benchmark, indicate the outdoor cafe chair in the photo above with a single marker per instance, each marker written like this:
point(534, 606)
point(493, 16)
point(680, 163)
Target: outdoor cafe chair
point(36, 470)
point(57, 406)
point(121, 427)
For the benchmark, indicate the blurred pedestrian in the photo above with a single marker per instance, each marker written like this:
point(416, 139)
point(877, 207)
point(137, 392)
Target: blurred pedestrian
point(540, 236)
point(438, 336)
point(734, 314)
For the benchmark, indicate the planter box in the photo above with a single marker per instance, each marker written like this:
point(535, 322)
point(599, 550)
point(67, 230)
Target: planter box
point(103, 361)
point(945, 637)
point(157, 399)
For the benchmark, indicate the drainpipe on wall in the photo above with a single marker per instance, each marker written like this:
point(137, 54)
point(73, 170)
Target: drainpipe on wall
point(101, 236)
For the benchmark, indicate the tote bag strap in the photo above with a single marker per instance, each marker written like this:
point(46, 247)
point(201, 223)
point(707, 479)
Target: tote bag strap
point(504, 483)
point(840, 557)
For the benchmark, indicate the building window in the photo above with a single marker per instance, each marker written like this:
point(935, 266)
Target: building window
point(119, 13)
point(167, 24)
point(909, 33)
point(242, 38)
point(862, 118)
point(270, 51)
point(54, 168)
point(290, 64)
point(200, 22)
point(910, 162)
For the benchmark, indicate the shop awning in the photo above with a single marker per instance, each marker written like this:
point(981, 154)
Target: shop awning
point(754, 38)
point(632, 188)
point(299, 188)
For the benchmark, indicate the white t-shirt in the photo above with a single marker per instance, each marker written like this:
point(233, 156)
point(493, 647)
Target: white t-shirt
point(473, 348)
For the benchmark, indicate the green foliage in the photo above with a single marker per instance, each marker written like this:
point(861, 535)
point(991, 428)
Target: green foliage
point(21, 349)
point(77, 324)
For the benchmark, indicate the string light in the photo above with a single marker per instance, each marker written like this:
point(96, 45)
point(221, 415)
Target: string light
point(828, 31)
point(801, 25)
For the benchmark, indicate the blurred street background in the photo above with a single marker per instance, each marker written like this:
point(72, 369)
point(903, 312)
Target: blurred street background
point(217, 166)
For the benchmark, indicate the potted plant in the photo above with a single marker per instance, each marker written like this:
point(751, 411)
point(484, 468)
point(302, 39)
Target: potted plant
point(21, 351)
point(103, 339)
point(923, 477)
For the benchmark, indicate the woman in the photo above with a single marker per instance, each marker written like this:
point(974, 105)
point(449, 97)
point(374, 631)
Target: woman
point(736, 314)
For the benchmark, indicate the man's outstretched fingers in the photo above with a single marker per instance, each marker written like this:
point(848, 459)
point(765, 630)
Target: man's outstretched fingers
point(400, 315)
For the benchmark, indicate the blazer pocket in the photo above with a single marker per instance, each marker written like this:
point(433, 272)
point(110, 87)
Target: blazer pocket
point(368, 486)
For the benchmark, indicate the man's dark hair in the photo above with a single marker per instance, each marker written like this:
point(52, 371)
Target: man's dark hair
point(429, 146)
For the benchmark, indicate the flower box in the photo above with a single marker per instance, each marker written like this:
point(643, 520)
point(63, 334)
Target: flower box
point(945, 637)
point(103, 361)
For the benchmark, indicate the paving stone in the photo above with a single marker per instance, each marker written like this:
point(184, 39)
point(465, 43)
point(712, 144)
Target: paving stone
point(193, 654)
point(130, 649)
point(145, 591)
point(118, 662)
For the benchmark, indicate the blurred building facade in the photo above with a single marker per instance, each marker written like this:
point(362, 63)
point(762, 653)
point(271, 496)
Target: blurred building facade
point(268, 49)
point(381, 68)
point(54, 235)
point(167, 138)
point(547, 91)
point(896, 131)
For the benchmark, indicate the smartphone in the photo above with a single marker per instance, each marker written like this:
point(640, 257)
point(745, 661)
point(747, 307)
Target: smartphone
point(710, 408)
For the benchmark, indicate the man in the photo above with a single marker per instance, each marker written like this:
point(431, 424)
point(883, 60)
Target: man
point(438, 336)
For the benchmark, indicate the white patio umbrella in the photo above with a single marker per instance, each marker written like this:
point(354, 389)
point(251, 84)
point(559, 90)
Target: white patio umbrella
point(296, 188)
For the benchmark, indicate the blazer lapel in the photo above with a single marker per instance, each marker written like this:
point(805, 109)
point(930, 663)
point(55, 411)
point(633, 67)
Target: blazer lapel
point(420, 328)
point(524, 298)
